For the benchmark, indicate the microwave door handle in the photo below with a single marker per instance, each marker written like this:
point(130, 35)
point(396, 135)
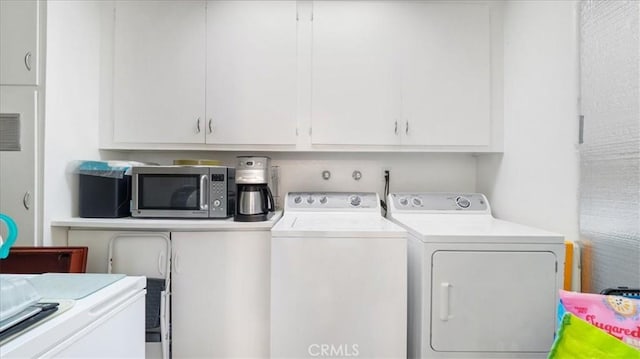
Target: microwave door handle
point(203, 192)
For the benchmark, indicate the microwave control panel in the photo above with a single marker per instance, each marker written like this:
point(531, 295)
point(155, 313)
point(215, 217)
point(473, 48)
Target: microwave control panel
point(221, 190)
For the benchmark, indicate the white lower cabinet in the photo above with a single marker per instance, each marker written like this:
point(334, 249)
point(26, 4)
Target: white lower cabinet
point(220, 294)
point(219, 284)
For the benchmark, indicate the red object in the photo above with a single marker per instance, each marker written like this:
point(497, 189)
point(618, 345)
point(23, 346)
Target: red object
point(38, 260)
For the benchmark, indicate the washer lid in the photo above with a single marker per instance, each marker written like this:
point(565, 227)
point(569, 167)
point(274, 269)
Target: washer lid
point(336, 225)
point(480, 228)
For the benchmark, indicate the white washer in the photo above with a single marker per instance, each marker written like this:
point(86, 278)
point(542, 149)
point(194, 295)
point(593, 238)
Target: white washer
point(338, 279)
point(478, 286)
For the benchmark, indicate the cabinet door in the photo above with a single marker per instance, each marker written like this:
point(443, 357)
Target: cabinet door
point(500, 301)
point(18, 114)
point(134, 253)
point(220, 294)
point(251, 72)
point(159, 72)
point(18, 42)
point(446, 83)
point(355, 85)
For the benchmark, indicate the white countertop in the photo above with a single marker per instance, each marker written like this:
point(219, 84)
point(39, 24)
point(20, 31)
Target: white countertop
point(131, 223)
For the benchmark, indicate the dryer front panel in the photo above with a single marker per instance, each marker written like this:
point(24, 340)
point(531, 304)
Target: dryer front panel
point(493, 301)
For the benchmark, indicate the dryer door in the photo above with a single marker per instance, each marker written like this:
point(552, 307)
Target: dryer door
point(493, 301)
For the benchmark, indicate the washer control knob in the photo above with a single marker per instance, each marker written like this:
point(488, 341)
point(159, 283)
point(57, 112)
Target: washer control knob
point(404, 201)
point(217, 203)
point(297, 200)
point(310, 200)
point(323, 199)
point(463, 202)
point(417, 202)
point(355, 200)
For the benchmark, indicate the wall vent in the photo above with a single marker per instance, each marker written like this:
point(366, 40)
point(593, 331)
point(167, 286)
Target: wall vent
point(10, 132)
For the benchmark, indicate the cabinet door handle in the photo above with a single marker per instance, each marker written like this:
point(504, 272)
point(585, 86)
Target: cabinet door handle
point(198, 125)
point(27, 61)
point(396, 128)
point(176, 263)
point(444, 301)
point(26, 200)
point(160, 263)
point(406, 129)
point(210, 125)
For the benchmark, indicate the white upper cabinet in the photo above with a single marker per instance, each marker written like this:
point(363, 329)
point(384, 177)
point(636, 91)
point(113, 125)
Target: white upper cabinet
point(251, 72)
point(159, 72)
point(355, 96)
point(305, 75)
point(411, 73)
point(19, 42)
point(446, 79)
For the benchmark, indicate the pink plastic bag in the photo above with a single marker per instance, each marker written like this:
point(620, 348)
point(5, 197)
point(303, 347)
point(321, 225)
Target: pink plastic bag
point(618, 316)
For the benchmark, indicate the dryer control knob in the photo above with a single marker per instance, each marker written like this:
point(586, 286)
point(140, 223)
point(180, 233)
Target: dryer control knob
point(463, 202)
point(355, 200)
point(310, 200)
point(403, 201)
point(297, 200)
point(323, 199)
point(417, 202)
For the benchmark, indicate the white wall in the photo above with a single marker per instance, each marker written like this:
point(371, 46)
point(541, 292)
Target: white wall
point(72, 104)
point(535, 181)
point(302, 171)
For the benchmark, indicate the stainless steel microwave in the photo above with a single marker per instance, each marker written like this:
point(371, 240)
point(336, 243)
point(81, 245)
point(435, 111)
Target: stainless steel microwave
point(183, 191)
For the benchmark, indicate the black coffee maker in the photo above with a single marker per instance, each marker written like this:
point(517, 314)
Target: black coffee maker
point(254, 198)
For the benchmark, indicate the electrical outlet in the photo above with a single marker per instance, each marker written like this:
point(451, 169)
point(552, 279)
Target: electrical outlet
point(385, 171)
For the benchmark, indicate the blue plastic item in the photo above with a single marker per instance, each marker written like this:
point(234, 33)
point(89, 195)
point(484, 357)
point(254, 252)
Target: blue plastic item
point(12, 235)
point(110, 169)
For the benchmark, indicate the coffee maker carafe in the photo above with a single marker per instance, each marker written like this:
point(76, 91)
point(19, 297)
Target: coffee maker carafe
point(254, 201)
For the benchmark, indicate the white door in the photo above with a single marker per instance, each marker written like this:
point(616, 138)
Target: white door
point(493, 301)
point(18, 167)
point(134, 253)
point(159, 72)
point(141, 254)
point(446, 77)
point(220, 294)
point(251, 72)
point(355, 79)
point(18, 42)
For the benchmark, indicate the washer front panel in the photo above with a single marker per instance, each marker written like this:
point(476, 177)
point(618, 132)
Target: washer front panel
point(348, 294)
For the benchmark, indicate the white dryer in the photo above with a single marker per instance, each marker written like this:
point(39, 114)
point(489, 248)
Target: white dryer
point(478, 286)
point(338, 279)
